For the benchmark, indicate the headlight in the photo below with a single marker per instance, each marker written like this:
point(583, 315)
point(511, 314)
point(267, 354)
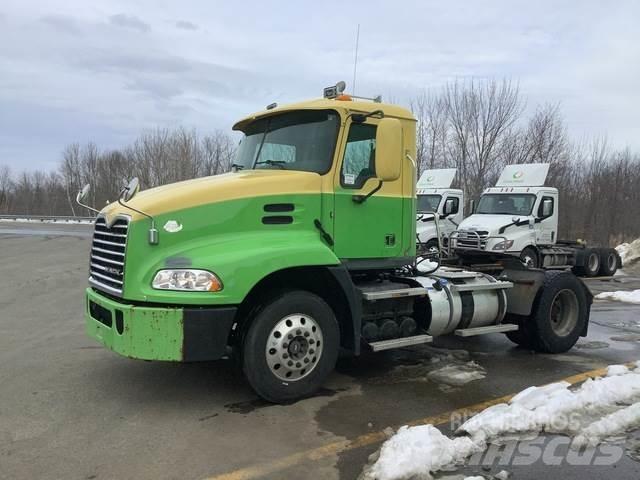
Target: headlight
point(504, 245)
point(188, 280)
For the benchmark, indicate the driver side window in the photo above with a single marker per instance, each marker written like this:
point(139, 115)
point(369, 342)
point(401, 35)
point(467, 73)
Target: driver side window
point(359, 162)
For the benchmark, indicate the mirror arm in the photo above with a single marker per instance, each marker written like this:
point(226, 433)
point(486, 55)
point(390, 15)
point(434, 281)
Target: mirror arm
point(87, 207)
point(363, 198)
point(361, 117)
point(153, 231)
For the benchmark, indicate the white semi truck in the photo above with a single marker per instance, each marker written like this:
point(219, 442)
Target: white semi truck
point(435, 196)
point(519, 216)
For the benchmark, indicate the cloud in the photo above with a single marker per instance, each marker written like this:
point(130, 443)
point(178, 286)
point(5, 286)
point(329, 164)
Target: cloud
point(62, 23)
point(129, 21)
point(185, 25)
point(98, 72)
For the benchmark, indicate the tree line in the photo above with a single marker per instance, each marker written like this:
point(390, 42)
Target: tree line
point(479, 127)
point(476, 126)
point(156, 157)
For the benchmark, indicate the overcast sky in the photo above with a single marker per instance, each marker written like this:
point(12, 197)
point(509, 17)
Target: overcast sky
point(75, 71)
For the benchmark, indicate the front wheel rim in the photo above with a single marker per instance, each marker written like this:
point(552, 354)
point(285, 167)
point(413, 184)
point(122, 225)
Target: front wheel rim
point(294, 347)
point(528, 261)
point(564, 312)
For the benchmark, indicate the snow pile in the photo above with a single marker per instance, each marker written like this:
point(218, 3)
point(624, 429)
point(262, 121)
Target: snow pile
point(418, 451)
point(629, 252)
point(632, 296)
point(596, 410)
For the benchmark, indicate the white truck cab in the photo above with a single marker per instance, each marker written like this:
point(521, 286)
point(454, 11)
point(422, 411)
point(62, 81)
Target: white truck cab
point(435, 195)
point(519, 216)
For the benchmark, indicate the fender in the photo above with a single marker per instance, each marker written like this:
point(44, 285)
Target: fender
point(239, 259)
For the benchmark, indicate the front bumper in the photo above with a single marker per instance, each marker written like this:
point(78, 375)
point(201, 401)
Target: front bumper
point(158, 333)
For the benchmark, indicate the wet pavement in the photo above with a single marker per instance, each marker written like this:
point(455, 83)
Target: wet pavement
point(71, 409)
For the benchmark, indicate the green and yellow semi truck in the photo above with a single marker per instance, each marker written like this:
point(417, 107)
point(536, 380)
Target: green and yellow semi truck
point(304, 250)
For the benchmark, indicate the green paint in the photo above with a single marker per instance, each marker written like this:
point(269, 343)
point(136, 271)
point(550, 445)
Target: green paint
point(149, 333)
point(361, 229)
point(229, 239)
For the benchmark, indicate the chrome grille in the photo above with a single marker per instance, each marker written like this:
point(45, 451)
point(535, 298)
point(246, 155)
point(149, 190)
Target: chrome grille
point(106, 266)
point(471, 239)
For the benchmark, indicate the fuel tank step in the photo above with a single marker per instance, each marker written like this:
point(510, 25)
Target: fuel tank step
point(394, 293)
point(400, 342)
point(470, 332)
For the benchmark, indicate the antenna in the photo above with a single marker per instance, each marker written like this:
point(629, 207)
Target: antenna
point(355, 61)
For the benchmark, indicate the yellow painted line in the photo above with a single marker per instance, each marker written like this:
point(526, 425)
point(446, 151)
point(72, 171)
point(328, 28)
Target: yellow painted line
point(283, 463)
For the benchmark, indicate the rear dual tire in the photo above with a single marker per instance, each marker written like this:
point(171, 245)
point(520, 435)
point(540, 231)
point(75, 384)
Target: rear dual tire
point(559, 316)
point(609, 262)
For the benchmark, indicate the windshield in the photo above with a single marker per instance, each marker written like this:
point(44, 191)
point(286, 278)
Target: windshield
point(428, 203)
point(506, 204)
point(303, 140)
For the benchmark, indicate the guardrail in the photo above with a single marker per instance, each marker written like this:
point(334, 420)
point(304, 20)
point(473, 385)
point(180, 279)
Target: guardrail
point(46, 218)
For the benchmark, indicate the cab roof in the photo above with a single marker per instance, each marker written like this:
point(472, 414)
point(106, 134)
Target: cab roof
point(355, 105)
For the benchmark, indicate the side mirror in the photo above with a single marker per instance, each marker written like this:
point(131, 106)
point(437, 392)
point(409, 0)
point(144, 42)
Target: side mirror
point(82, 194)
point(130, 190)
point(547, 207)
point(472, 206)
point(449, 205)
point(388, 149)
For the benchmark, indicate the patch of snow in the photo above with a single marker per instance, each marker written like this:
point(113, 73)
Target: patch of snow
point(632, 296)
point(616, 422)
point(417, 451)
point(598, 409)
point(474, 478)
point(629, 252)
point(65, 221)
point(457, 375)
point(614, 370)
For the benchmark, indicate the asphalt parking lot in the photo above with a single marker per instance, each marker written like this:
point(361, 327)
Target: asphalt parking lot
point(70, 409)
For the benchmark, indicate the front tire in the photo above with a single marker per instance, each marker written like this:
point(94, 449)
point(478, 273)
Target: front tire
point(291, 346)
point(529, 257)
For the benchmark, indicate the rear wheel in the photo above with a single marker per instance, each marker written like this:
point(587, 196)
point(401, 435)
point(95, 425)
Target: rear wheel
point(529, 257)
point(560, 315)
point(291, 346)
point(522, 336)
point(608, 261)
point(592, 263)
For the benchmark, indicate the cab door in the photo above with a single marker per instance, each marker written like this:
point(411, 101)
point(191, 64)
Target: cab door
point(546, 219)
point(449, 223)
point(368, 214)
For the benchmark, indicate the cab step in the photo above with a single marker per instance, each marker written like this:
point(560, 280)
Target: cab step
point(372, 295)
point(400, 342)
point(470, 332)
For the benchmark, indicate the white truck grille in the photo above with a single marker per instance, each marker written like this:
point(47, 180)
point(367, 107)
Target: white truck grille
point(471, 239)
point(106, 267)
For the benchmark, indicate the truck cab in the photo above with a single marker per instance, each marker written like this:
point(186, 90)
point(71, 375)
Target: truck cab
point(436, 197)
point(517, 216)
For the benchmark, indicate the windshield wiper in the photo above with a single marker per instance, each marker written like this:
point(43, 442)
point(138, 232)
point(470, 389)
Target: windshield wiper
point(237, 166)
point(277, 163)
